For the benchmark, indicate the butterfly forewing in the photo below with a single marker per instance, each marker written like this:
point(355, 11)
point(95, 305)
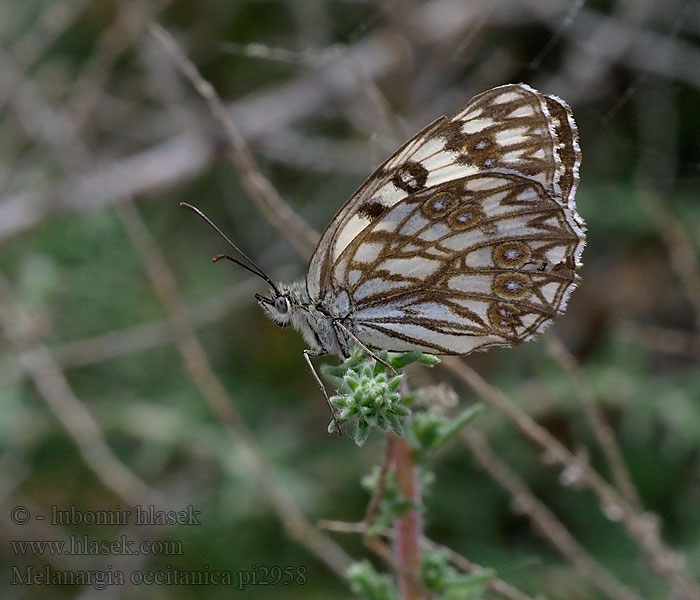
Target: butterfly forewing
point(373, 198)
point(466, 237)
point(509, 129)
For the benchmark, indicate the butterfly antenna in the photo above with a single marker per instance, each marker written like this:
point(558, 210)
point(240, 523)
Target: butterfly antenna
point(253, 268)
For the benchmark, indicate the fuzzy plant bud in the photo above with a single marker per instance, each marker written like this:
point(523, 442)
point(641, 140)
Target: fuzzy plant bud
point(368, 393)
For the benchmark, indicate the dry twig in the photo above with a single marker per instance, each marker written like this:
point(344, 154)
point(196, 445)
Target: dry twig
point(545, 520)
point(266, 197)
point(38, 364)
point(642, 527)
point(602, 430)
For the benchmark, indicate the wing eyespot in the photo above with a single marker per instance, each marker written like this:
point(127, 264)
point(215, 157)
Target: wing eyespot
point(438, 205)
point(465, 216)
point(504, 316)
point(410, 177)
point(511, 285)
point(511, 255)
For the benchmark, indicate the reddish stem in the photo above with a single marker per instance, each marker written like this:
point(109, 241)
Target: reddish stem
point(409, 526)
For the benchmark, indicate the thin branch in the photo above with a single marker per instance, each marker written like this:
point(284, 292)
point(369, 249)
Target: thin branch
point(40, 120)
point(602, 430)
point(195, 360)
point(545, 520)
point(36, 361)
point(662, 339)
point(192, 353)
point(126, 29)
point(152, 334)
point(613, 40)
point(374, 504)
point(317, 154)
point(52, 23)
point(683, 251)
point(584, 71)
point(372, 91)
point(409, 524)
point(186, 154)
point(302, 237)
point(642, 527)
point(495, 584)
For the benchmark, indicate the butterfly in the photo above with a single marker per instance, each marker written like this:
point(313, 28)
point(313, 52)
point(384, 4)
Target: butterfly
point(467, 237)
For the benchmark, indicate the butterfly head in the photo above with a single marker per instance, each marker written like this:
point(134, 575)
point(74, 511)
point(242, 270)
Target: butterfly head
point(277, 306)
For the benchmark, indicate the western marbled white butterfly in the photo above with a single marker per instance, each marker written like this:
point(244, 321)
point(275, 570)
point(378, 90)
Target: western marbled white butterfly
point(466, 238)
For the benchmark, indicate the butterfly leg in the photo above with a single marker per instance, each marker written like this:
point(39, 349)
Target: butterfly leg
point(307, 357)
point(352, 336)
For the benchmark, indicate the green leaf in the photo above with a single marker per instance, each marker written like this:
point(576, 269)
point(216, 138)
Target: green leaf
point(366, 582)
point(395, 382)
point(441, 577)
point(399, 361)
point(455, 425)
point(431, 430)
point(429, 360)
point(361, 433)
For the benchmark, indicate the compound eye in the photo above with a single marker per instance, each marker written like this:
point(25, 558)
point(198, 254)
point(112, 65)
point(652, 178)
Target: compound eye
point(282, 304)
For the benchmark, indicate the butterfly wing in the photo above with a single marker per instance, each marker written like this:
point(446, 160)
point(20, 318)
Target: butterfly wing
point(512, 129)
point(487, 259)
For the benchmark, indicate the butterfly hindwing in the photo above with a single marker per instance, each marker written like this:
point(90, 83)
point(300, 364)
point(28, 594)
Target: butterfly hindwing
point(484, 260)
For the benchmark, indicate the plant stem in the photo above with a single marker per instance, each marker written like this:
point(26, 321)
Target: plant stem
point(408, 527)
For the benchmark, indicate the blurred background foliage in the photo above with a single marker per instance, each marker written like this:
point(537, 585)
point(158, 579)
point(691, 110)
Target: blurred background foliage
point(101, 137)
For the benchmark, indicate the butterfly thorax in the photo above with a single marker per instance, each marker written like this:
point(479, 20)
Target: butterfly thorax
point(290, 304)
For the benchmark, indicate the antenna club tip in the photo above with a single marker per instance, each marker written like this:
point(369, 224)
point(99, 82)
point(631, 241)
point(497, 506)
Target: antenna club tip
point(218, 257)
